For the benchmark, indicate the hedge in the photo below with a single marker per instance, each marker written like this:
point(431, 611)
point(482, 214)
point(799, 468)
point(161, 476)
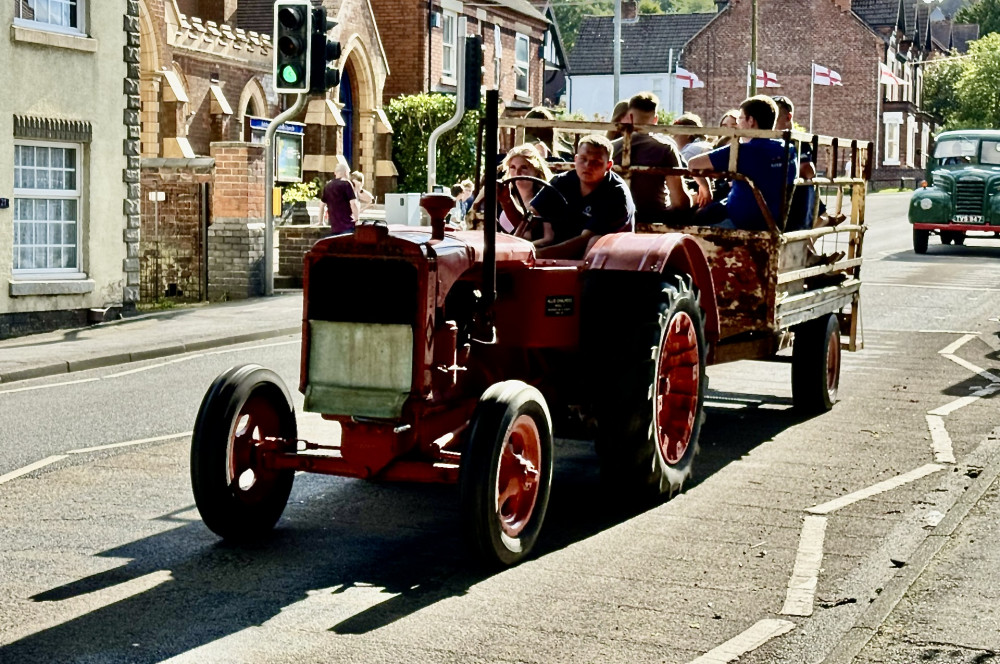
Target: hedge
point(413, 118)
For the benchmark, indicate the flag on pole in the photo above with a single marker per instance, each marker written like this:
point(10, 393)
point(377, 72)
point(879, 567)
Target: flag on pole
point(825, 76)
point(886, 76)
point(765, 79)
point(688, 79)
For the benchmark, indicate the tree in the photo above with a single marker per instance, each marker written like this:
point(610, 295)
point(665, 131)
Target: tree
point(984, 12)
point(964, 91)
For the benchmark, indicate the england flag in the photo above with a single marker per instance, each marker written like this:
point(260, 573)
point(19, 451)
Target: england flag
point(688, 79)
point(824, 76)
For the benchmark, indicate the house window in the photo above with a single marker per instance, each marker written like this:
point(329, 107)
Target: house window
point(46, 207)
point(55, 15)
point(521, 64)
point(448, 44)
point(891, 144)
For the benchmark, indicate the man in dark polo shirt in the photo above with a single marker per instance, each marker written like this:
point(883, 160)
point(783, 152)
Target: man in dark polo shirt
point(598, 201)
point(658, 198)
point(339, 199)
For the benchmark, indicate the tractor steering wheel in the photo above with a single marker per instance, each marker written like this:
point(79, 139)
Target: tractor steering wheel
point(528, 216)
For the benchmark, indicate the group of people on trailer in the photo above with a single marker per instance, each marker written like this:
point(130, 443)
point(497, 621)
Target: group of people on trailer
point(579, 205)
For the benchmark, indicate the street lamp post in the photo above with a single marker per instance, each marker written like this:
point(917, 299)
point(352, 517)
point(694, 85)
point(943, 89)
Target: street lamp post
point(753, 48)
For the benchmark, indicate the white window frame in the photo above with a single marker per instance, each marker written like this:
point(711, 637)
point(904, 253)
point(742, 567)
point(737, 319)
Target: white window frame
point(911, 140)
point(925, 132)
point(74, 194)
point(49, 26)
point(892, 122)
point(449, 49)
point(522, 67)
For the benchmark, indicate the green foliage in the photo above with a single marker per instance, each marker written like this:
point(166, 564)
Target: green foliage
point(413, 118)
point(300, 191)
point(964, 92)
point(984, 12)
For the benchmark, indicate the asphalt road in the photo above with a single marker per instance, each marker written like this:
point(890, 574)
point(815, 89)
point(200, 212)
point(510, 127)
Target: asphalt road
point(794, 529)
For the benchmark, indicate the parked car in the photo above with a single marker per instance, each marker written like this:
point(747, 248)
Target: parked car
point(961, 194)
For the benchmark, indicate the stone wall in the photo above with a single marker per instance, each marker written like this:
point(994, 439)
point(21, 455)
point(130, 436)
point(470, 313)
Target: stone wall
point(293, 243)
point(235, 259)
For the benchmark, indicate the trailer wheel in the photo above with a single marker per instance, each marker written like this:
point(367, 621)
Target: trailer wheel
point(816, 364)
point(506, 473)
point(238, 499)
point(920, 239)
point(650, 419)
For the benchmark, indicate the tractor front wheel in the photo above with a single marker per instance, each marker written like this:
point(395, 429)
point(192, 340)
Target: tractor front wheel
point(506, 473)
point(246, 408)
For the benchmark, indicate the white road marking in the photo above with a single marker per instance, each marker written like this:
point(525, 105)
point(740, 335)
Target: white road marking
point(31, 467)
point(875, 489)
point(973, 368)
point(111, 446)
point(757, 635)
point(805, 573)
point(955, 345)
point(188, 358)
point(940, 440)
point(933, 287)
point(961, 402)
point(40, 387)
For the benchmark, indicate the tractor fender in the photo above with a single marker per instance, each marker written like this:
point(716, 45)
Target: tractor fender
point(659, 252)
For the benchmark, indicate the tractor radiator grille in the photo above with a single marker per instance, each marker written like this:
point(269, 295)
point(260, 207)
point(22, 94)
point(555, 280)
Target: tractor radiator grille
point(363, 290)
point(969, 197)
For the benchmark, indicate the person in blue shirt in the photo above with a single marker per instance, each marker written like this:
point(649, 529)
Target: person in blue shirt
point(768, 163)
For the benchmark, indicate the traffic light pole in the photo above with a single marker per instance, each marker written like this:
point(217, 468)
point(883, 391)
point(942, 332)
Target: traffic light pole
point(296, 108)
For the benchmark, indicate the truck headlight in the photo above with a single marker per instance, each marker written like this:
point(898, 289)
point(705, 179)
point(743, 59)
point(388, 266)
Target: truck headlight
point(926, 204)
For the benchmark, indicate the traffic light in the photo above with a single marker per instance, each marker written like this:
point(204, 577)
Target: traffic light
point(474, 72)
point(292, 27)
point(324, 53)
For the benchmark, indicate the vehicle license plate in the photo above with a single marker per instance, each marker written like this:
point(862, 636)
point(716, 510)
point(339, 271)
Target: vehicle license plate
point(968, 218)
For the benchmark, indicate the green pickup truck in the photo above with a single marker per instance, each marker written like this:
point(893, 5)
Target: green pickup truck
point(962, 191)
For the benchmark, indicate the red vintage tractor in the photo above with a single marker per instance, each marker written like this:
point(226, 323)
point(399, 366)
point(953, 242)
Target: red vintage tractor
point(456, 357)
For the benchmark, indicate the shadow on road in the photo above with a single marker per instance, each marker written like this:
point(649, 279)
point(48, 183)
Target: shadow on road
point(337, 535)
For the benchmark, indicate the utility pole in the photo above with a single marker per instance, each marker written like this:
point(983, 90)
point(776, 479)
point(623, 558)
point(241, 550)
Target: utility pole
point(618, 49)
point(753, 48)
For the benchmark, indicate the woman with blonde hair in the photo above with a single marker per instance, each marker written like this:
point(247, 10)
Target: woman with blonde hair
point(523, 160)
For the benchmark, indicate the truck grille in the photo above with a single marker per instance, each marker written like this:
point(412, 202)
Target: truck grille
point(969, 197)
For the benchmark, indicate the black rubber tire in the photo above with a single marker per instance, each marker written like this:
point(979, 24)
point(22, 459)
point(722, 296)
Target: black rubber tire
point(631, 462)
point(920, 239)
point(816, 364)
point(501, 405)
point(234, 513)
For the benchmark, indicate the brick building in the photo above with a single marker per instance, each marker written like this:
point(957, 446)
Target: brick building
point(850, 37)
point(205, 83)
point(425, 43)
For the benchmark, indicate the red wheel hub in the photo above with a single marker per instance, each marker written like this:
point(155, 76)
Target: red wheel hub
point(256, 421)
point(675, 396)
point(833, 363)
point(518, 475)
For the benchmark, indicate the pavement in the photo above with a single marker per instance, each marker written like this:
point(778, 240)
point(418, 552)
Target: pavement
point(151, 335)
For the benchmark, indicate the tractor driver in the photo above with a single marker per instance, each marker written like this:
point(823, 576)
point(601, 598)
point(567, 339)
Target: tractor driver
point(597, 201)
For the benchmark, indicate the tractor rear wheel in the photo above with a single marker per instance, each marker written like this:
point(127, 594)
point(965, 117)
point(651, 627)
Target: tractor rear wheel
point(239, 499)
point(506, 473)
point(650, 413)
point(816, 364)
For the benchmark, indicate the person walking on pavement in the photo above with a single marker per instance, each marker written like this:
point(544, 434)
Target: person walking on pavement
point(340, 201)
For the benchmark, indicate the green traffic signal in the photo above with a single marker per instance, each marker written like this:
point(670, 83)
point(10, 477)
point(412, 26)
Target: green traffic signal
point(290, 74)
